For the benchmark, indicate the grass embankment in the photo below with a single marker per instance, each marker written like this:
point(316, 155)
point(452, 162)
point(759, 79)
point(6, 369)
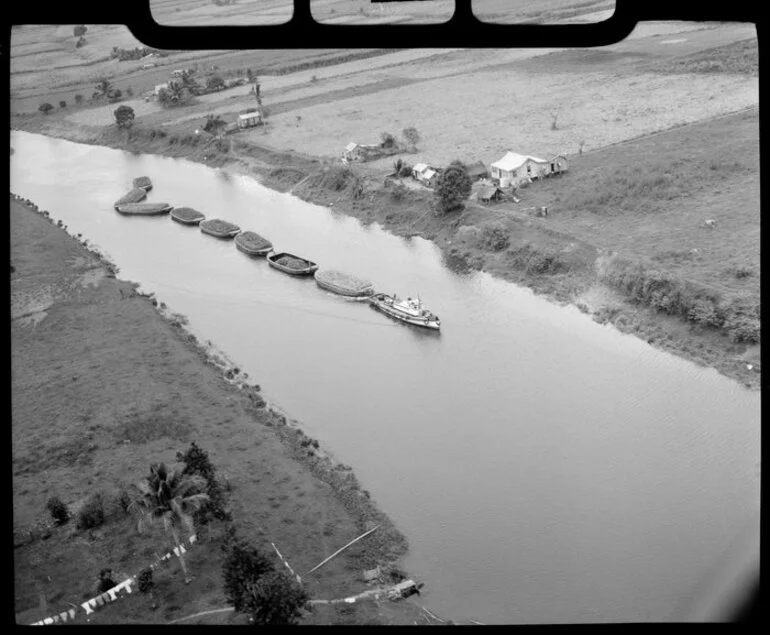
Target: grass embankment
point(91, 413)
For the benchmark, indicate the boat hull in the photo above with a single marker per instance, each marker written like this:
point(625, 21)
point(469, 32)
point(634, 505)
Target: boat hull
point(226, 234)
point(379, 305)
point(307, 271)
point(251, 251)
point(357, 288)
point(175, 215)
point(143, 209)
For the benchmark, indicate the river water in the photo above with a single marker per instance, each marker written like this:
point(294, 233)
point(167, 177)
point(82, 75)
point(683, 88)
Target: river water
point(545, 468)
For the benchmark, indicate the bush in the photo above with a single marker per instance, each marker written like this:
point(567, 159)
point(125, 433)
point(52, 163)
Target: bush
point(78, 99)
point(62, 104)
point(495, 238)
point(105, 580)
point(124, 500)
point(388, 140)
point(58, 509)
point(45, 108)
point(145, 581)
point(92, 514)
point(398, 192)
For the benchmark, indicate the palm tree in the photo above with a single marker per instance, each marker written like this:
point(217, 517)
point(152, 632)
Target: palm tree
point(168, 496)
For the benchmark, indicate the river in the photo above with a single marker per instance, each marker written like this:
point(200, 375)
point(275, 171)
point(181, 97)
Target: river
point(545, 468)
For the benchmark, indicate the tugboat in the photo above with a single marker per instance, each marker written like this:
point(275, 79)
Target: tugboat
point(409, 310)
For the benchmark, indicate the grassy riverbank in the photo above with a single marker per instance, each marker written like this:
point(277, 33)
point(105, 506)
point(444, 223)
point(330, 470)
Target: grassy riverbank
point(106, 381)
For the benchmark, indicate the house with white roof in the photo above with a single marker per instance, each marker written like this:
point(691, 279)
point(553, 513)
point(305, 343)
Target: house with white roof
point(425, 174)
point(514, 168)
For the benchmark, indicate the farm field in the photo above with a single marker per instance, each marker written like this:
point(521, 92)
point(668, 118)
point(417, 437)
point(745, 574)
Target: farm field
point(205, 12)
point(352, 12)
point(548, 12)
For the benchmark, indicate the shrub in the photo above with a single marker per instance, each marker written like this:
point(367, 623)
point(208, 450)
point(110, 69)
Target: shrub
point(80, 30)
point(78, 99)
point(62, 104)
point(105, 580)
point(398, 192)
point(276, 599)
point(124, 500)
point(145, 581)
point(495, 238)
point(388, 140)
point(58, 509)
point(92, 514)
point(45, 108)
point(743, 328)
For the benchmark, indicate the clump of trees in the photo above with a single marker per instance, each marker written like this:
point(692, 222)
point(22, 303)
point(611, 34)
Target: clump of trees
point(80, 30)
point(123, 55)
point(45, 108)
point(453, 188)
point(105, 90)
point(255, 587)
point(215, 82)
point(387, 140)
point(401, 168)
point(124, 116)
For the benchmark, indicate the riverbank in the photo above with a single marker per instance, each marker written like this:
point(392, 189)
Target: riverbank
point(105, 381)
point(564, 257)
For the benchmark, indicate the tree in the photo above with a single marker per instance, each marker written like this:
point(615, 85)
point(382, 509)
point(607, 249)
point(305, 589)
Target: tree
point(58, 509)
point(124, 116)
point(276, 599)
point(45, 108)
point(167, 496)
point(196, 463)
point(78, 99)
point(115, 95)
point(554, 118)
point(62, 104)
point(214, 125)
point(79, 30)
point(130, 91)
point(215, 82)
point(453, 187)
point(412, 136)
point(103, 87)
point(254, 587)
point(146, 583)
point(81, 42)
point(388, 140)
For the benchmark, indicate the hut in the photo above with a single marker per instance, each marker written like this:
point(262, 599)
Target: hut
point(249, 119)
point(486, 193)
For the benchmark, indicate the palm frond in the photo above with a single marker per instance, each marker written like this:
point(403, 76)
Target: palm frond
point(194, 503)
point(189, 484)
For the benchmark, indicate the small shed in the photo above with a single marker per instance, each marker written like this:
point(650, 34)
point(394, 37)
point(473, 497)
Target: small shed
point(487, 193)
point(249, 119)
point(418, 169)
point(477, 171)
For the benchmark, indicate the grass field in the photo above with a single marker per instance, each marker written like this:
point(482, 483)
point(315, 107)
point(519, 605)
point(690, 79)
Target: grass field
point(207, 13)
point(546, 12)
point(352, 12)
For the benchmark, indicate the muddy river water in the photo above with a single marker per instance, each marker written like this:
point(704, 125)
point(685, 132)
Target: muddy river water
point(545, 468)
